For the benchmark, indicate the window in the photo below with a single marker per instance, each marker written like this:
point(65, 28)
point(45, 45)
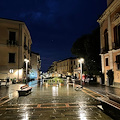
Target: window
point(24, 40)
point(28, 44)
point(12, 37)
point(106, 40)
point(117, 35)
point(11, 57)
point(74, 62)
point(106, 60)
point(118, 61)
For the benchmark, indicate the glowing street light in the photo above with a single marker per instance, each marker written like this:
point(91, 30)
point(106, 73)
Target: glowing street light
point(11, 70)
point(26, 61)
point(81, 60)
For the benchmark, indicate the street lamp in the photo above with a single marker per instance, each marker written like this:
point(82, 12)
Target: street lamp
point(11, 70)
point(81, 60)
point(26, 61)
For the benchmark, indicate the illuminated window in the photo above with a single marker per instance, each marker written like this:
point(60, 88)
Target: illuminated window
point(11, 57)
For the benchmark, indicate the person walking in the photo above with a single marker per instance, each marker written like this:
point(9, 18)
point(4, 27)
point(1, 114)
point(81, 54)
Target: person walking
point(7, 81)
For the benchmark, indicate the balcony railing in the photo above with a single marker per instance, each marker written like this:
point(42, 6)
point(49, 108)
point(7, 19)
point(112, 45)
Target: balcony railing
point(11, 42)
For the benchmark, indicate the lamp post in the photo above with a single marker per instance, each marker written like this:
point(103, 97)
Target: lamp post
point(26, 61)
point(81, 60)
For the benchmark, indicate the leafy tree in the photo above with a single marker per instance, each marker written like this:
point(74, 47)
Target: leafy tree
point(88, 47)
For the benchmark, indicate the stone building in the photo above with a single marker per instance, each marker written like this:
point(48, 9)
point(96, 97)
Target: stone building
point(110, 41)
point(15, 47)
point(36, 66)
point(68, 67)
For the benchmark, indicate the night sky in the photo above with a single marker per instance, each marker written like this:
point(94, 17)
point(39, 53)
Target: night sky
point(54, 25)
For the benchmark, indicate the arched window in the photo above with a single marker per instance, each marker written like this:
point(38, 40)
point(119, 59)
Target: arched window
point(106, 40)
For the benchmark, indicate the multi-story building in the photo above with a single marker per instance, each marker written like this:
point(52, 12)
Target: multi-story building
point(69, 66)
point(110, 41)
point(55, 66)
point(15, 47)
point(36, 66)
point(52, 70)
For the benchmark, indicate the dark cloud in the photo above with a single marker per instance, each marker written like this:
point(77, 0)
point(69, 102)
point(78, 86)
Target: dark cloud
point(54, 24)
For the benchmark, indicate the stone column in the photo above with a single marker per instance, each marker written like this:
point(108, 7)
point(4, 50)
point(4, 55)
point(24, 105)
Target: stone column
point(109, 33)
point(111, 59)
point(102, 63)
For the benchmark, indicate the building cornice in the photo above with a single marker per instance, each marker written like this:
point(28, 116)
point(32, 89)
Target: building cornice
point(113, 6)
point(118, 50)
point(12, 21)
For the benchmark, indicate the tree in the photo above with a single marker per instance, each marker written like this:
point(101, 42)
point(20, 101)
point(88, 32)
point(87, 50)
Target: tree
point(88, 47)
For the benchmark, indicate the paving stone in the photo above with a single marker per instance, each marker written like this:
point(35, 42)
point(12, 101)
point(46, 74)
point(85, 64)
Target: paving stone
point(82, 106)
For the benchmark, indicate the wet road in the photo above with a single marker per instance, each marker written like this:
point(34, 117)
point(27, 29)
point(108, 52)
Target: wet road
point(51, 102)
point(102, 89)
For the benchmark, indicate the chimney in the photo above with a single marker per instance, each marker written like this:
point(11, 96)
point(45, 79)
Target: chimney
point(109, 2)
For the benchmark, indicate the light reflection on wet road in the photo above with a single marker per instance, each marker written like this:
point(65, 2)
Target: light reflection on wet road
point(51, 102)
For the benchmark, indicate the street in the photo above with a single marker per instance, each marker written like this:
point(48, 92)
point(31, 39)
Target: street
point(50, 102)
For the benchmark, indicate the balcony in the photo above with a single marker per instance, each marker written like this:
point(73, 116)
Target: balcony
point(11, 42)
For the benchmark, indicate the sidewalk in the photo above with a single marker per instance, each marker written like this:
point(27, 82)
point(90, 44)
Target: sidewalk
point(11, 89)
point(102, 89)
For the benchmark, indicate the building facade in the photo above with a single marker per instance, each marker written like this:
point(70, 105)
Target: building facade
point(36, 66)
point(69, 67)
point(15, 47)
point(110, 41)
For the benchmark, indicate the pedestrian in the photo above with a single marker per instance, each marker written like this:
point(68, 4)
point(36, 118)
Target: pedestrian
point(7, 81)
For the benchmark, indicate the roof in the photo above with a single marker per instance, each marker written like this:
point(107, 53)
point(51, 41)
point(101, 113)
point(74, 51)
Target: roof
point(70, 58)
point(35, 53)
point(11, 20)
